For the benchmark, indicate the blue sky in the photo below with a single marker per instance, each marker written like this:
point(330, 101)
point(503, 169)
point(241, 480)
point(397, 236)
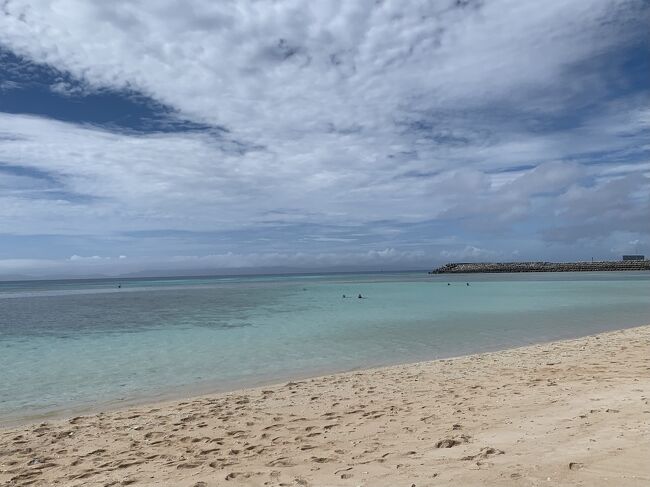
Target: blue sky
point(188, 136)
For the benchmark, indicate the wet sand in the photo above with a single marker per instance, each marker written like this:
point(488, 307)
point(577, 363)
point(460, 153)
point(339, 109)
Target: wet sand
point(573, 412)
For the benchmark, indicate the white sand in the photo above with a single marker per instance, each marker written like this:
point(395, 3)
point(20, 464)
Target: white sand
point(574, 412)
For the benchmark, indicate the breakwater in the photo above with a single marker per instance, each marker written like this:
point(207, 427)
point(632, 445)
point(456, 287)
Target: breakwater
point(485, 267)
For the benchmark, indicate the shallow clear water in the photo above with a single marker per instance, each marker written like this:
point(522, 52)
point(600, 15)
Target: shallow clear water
point(75, 344)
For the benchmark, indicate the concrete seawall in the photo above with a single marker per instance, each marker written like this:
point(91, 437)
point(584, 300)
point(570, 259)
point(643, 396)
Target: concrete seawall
point(467, 267)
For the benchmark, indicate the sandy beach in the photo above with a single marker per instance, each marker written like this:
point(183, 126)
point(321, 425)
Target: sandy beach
point(573, 412)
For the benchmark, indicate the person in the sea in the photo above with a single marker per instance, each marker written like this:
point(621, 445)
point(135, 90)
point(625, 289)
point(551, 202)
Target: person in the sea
point(344, 296)
point(467, 283)
point(360, 297)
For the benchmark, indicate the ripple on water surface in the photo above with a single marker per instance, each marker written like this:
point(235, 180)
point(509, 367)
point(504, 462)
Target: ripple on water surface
point(70, 344)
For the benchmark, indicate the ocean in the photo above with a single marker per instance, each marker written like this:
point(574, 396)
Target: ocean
point(76, 345)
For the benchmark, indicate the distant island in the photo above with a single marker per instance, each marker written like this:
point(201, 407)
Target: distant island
point(485, 267)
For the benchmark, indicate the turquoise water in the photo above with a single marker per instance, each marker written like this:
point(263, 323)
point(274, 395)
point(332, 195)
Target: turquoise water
point(67, 345)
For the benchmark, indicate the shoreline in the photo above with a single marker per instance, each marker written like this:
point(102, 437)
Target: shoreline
point(575, 411)
point(209, 388)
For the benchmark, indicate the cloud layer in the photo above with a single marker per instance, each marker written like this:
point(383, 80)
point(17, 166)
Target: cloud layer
point(336, 128)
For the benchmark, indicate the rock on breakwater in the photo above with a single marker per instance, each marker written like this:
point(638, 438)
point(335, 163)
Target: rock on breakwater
point(485, 267)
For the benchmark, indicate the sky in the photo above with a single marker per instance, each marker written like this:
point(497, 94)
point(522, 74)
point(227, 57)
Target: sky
point(197, 136)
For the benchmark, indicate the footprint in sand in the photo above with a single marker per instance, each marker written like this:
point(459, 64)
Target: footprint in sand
point(280, 462)
point(322, 459)
point(452, 442)
point(486, 452)
point(235, 475)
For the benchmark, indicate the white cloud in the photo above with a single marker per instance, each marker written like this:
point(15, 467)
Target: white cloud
point(6, 85)
point(241, 64)
point(67, 89)
point(469, 252)
point(93, 258)
point(77, 265)
point(336, 113)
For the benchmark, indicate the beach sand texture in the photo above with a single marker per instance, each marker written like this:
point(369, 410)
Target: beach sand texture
point(574, 412)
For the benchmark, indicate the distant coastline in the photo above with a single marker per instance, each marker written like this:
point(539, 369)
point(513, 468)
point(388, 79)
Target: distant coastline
point(491, 267)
